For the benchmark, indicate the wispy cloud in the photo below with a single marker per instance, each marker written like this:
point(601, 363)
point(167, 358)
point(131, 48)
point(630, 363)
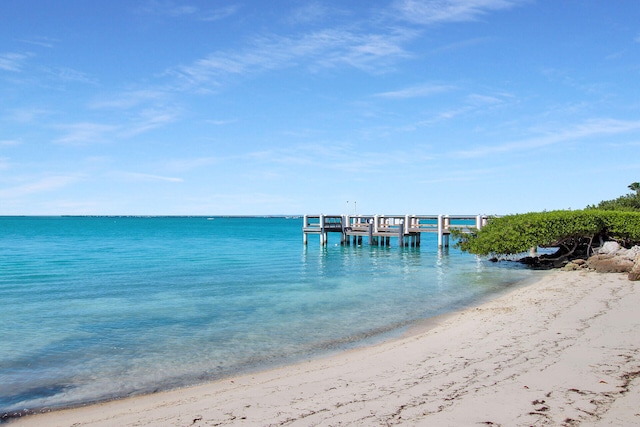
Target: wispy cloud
point(147, 120)
point(222, 122)
point(219, 13)
point(181, 10)
point(85, 133)
point(8, 142)
point(462, 44)
point(471, 104)
point(464, 175)
point(326, 48)
point(372, 51)
point(487, 100)
point(137, 176)
point(442, 11)
point(40, 41)
point(368, 52)
point(128, 99)
point(49, 183)
point(310, 12)
point(26, 115)
point(416, 91)
point(337, 156)
point(13, 61)
point(624, 144)
point(588, 129)
point(42, 75)
point(172, 10)
point(71, 75)
point(183, 165)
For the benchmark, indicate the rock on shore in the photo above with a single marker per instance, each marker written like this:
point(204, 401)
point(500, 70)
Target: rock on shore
point(612, 258)
point(634, 274)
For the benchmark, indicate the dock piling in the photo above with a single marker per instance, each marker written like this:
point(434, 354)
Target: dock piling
point(381, 229)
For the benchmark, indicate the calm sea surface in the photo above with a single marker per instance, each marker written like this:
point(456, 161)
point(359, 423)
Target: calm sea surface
point(101, 307)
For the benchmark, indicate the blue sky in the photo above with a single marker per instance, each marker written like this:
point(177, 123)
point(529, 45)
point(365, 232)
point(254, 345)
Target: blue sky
point(247, 107)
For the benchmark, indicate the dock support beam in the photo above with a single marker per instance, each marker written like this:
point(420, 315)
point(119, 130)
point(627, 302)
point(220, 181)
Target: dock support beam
point(304, 235)
point(323, 233)
point(447, 229)
point(381, 229)
point(345, 240)
point(444, 223)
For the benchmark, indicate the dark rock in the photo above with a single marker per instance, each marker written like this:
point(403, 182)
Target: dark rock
point(542, 263)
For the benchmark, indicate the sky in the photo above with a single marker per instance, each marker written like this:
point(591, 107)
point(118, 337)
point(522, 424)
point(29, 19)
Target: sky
point(289, 107)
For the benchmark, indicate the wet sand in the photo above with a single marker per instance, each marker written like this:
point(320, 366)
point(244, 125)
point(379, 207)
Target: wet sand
point(562, 351)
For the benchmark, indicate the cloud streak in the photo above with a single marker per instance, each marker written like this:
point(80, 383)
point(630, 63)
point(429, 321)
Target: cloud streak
point(588, 129)
point(416, 91)
point(172, 10)
point(40, 41)
point(129, 99)
point(137, 176)
point(4, 163)
point(13, 62)
point(428, 12)
point(472, 104)
point(71, 75)
point(148, 120)
point(8, 142)
point(50, 183)
point(325, 49)
point(310, 12)
point(85, 133)
point(372, 51)
point(336, 156)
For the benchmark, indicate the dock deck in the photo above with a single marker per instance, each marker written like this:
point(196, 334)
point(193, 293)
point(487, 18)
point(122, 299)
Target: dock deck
point(379, 229)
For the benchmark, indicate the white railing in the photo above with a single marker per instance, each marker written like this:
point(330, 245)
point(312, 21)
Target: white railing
point(390, 225)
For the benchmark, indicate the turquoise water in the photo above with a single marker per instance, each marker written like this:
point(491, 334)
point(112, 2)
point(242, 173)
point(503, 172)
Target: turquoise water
point(101, 307)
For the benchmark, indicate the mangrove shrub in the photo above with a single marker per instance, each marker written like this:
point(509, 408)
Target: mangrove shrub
point(574, 233)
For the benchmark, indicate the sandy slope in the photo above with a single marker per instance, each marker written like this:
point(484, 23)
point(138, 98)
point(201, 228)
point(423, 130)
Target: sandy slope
point(563, 351)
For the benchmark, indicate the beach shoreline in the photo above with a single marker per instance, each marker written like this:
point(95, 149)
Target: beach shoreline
point(562, 351)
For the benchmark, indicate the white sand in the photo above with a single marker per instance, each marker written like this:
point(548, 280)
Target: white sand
point(563, 351)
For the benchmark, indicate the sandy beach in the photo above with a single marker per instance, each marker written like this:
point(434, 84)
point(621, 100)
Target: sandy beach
point(564, 351)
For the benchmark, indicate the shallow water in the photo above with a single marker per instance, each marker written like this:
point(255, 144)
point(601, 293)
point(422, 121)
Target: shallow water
point(102, 307)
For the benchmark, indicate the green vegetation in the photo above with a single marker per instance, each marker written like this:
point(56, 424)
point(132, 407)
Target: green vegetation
point(574, 233)
point(628, 202)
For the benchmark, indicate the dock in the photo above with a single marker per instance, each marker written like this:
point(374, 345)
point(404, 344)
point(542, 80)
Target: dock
point(380, 229)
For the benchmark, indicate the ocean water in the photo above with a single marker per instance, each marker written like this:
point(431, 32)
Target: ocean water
point(95, 308)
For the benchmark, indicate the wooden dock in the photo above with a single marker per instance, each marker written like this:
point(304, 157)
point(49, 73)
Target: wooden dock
point(380, 229)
